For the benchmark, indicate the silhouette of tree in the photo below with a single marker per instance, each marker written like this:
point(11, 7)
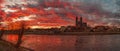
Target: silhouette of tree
point(1, 33)
point(2, 30)
point(20, 35)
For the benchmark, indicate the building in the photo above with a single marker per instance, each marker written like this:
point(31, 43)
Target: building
point(80, 26)
point(80, 23)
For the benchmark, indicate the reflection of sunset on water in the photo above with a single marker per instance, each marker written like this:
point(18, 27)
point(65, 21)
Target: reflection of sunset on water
point(11, 38)
point(42, 42)
point(68, 43)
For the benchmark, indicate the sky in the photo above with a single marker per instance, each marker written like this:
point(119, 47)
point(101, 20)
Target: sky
point(109, 5)
point(61, 12)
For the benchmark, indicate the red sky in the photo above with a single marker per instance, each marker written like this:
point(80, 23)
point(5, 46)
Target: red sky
point(48, 14)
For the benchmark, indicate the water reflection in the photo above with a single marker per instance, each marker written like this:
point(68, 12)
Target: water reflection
point(45, 42)
point(68, 43)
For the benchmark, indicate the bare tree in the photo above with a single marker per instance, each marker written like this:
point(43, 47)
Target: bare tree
point(1, 33)
point(20, 35)
point(2, 30)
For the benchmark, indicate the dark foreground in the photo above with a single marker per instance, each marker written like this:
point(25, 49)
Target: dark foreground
point(7, 46)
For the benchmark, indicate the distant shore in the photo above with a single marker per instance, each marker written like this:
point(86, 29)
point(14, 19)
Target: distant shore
point(66, 33)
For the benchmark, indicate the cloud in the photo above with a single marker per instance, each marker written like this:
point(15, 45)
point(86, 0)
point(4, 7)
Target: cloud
point(65, 11)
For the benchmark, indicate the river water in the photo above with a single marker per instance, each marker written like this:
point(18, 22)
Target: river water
point(68, 42)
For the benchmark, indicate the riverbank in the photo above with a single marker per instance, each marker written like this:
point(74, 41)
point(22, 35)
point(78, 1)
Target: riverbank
point(67, 33)
point(7, 46)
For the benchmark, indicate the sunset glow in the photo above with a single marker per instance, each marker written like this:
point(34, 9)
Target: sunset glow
point(43, 27)
point(51, 13)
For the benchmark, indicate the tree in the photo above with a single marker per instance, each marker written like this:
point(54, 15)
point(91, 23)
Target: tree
point(20, 35)
point(1, 33)
point(2, 27)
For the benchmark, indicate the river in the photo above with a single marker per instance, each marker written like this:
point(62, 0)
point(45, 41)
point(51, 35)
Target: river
point(68, 42)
